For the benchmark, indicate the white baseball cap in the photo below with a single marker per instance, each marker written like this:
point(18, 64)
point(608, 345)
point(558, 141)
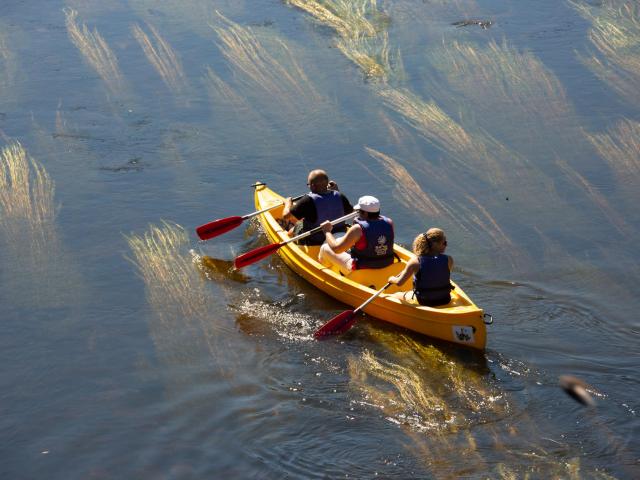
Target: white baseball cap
point(368, 204)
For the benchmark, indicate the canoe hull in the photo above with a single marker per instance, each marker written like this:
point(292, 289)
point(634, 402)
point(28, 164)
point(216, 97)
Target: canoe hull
point(459, 322)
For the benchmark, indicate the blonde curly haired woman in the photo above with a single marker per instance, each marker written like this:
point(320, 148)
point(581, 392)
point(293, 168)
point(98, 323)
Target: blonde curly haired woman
point(431, 271)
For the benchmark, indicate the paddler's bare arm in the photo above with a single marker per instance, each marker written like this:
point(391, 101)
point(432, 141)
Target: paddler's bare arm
point(286, 212)
point(341, 244)
point(412, 267)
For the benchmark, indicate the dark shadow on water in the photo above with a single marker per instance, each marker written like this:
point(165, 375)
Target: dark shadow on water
point(133, 165)
point(214, 268)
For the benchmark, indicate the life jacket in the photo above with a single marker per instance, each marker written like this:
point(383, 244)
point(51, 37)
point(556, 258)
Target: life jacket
point(431, 284)
point(329, 206)
point(375, 247)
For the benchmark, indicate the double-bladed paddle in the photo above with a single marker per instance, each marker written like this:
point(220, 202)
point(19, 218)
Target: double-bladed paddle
point(343, 322)
point(263, 252)
point(223, 225)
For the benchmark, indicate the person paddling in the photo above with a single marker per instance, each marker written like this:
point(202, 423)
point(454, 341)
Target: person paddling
point(323, 203)
point(431, 270)
point(367, 244)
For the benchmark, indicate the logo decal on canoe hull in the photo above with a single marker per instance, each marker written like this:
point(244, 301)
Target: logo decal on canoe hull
point(463, 334)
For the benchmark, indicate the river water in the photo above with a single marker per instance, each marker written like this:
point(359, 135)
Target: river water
point(131, 350)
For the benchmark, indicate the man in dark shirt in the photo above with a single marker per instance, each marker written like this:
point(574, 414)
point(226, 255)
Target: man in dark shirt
point(322, 203)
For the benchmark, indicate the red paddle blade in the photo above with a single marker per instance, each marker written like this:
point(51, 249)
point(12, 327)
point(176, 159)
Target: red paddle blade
point(256, 255)
point(218, 227)
point(338, 324)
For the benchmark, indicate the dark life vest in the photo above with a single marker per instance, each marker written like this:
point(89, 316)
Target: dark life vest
point(329, 206)
point(375, 247)
point(431, 284)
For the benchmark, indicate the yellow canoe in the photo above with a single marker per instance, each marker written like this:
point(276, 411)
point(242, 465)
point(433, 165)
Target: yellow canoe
point(460, 321)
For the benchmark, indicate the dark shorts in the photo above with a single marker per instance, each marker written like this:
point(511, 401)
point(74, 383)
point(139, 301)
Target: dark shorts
point(434, 300)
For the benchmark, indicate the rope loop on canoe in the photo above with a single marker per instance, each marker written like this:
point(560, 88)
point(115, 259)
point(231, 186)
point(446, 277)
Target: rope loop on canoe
point(258, 184)
point(490, 318)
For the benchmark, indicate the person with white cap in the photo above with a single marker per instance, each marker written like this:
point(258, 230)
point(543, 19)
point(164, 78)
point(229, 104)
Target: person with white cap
point(368, 243)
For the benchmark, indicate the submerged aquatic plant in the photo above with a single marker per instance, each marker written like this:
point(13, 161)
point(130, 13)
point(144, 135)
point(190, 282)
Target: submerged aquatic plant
point(460, 210)
point(168, 273)
point(477, 153)
point(615, 34)
point(428, 119)
point(360, 26)
point(620, 147)
point(95, 51)
point(37, 262)
point(366, 53)
point(239, 108)
point(175, 290)
point(594, 195)
point(498, 77)
point(223, 93)
point(7, 66)
point(274, 93)
point(26, 190)
point(349, 18)
point(373, 57)
point(275, 73)
point(407, 191)
point(162, 57)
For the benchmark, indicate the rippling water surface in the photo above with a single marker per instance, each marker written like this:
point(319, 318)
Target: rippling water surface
point(130, 350)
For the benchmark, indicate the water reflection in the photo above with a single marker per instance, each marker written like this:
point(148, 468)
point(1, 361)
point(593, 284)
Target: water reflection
point(454, 412)
point(420, 386)
point(534, 462)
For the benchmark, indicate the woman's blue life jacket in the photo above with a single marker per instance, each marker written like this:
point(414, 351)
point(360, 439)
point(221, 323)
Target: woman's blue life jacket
point(329, 206)
point(432, 282)
point(375, 247)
